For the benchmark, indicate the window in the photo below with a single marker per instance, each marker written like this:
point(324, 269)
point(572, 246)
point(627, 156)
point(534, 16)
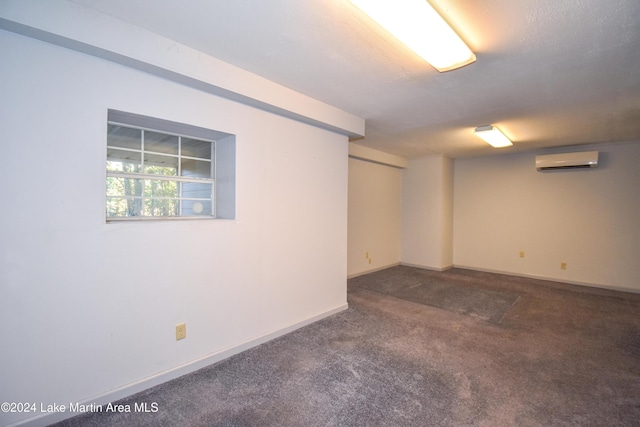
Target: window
point(158, 169)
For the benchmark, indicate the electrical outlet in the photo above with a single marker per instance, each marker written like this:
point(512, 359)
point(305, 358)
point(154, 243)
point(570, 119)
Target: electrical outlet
point(563, 266)
point(369, 260)
point(521, 254)
point(366, 255)
point(181, 331)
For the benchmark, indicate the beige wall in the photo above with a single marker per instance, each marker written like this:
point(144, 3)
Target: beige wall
point(374, 216)
point(586, 218)
point(427, 213)
point(481, 212)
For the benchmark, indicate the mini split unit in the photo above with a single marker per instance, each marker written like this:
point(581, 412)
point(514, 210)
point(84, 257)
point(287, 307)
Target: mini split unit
point(581, 160)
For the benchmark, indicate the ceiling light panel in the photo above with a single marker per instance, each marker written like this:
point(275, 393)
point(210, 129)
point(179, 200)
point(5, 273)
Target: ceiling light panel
point(416, 24)
point(493, 136)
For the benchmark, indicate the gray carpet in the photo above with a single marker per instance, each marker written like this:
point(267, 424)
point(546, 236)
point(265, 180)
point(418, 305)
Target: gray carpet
point(545, 354)
point(438, 290)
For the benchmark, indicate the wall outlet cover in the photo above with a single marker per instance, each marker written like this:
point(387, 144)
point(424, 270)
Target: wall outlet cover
point(181, 331)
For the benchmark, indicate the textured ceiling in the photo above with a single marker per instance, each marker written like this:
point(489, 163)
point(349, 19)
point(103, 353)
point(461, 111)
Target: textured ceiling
point(548, 72)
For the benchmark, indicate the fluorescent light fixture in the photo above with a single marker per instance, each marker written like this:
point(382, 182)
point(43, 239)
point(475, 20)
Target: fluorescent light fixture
point(416, 24)
point(493, 136)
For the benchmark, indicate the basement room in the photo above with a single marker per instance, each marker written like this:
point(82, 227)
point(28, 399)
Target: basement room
point(320, 213)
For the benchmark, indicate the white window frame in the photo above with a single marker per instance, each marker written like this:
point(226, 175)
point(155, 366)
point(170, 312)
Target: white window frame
point(148, 124)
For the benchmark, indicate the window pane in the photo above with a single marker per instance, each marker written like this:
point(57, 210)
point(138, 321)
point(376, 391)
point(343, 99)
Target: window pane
point(160, 143)
point(158, 188)
point(196, 148)
point(148, 170)
point(123, 207)
point(192, 190)
point(196, 168)
point(160, 207)
point(118, 136)
point(157, 164)
point(123, 161)
point(117, 186)
point(196, 207)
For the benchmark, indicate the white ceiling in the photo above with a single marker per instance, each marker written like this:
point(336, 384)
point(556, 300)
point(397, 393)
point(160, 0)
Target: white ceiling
point(548, 72)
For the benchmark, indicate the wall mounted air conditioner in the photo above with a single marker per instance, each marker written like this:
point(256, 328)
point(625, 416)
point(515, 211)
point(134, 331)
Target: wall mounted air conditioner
point(584, 159)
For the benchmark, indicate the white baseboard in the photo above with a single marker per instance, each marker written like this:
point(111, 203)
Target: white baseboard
point(426, 267)
point(178, 371)
point(373, 270)
point(552, 279)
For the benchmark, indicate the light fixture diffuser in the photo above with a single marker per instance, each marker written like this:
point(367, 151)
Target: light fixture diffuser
point(493, 136)
point(416, 24)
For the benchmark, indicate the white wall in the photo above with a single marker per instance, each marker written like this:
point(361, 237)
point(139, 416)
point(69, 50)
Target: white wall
point(427, 213)
point(586, 218)
point(374, 219)
point(88, 308)
point(76, 27)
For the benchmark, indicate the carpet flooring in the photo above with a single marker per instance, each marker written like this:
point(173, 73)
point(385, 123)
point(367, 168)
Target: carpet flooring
point(424, 348)
point(435, 290)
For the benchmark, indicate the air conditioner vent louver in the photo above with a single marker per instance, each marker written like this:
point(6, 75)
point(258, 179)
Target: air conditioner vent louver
point(580, 160)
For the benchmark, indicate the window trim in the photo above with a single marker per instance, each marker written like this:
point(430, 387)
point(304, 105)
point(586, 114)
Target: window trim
point(227, 146)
